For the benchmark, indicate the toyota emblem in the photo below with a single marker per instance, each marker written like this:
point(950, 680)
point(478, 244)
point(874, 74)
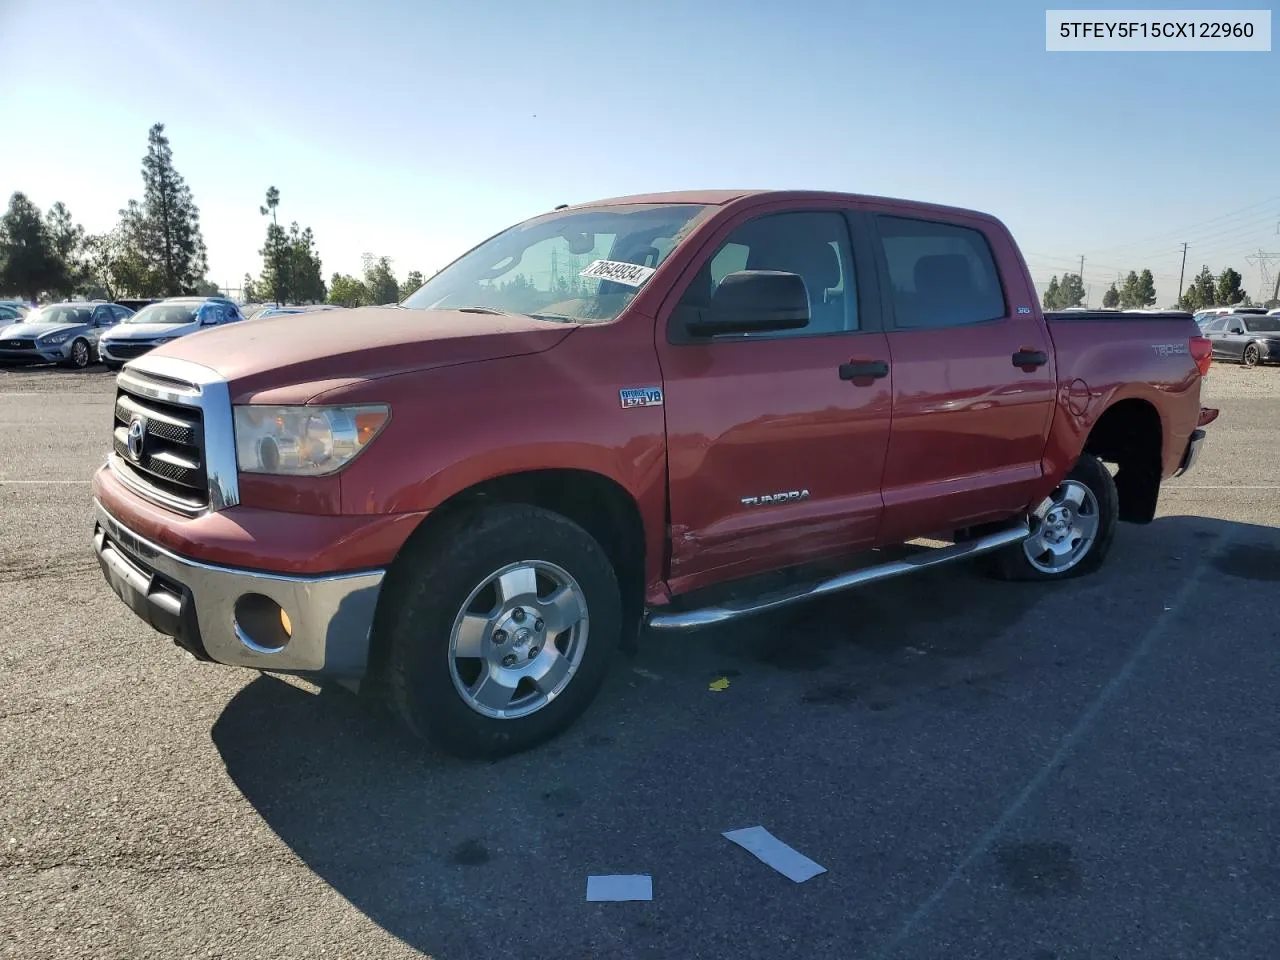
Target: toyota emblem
point(137, 435)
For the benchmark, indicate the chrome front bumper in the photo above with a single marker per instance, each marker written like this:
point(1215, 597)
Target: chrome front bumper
point(197, 604)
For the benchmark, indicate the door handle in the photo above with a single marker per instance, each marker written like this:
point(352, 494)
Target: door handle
point(1030, 358)
point(864, 370)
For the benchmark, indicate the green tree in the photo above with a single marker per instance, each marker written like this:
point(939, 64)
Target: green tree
point(306, 280)
point(411, 283)
point(1144, 291)
point(248, 290)
point(274, 252)
point(1071, 291)
point(165, 227)
point(348, 291)
point(1111, 298)
point(1206, 288)
point(29, 261)
point(1052, 295)
point(67, 238)
point(1129, 291)
point(380, 280)
point(1228, 292)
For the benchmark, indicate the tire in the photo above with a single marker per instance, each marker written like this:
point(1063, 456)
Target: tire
point(81, 354)
point(1088, 490)
point(1251, 356)
point(439, 696)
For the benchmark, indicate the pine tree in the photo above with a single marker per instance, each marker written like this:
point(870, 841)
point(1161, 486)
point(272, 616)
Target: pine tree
point(165, 226)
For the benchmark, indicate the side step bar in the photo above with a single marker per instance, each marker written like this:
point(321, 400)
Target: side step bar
point(709, 616)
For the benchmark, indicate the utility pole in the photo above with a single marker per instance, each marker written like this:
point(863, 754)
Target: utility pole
point(1183, 272)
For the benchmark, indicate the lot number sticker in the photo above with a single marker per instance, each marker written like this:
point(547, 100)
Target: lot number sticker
point(632, 274)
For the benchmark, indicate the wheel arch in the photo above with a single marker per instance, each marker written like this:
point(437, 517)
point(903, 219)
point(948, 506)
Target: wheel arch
point(597, 503)
point(1130, 434)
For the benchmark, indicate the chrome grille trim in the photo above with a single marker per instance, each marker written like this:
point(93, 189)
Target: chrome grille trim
point(182, 383)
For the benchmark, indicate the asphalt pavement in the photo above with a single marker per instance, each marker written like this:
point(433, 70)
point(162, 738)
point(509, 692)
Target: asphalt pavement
point(986, 770)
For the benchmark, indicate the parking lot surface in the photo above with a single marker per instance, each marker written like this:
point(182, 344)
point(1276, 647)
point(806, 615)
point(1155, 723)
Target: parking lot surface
point(986, 770)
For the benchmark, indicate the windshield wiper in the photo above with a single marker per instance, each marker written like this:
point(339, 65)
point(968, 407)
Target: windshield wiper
point(555, 317)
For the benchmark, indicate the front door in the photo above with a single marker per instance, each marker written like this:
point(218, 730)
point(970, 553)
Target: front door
point(776, 441)
point(973, 375)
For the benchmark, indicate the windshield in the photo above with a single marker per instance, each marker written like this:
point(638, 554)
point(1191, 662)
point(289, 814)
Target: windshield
point(581, 265)
point(59, 314)
point(165, 313)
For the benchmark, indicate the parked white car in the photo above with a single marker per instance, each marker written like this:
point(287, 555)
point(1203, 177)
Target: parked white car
point(161, 322)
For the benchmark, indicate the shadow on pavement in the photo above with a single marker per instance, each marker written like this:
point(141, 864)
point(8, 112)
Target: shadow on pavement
point(880, 732)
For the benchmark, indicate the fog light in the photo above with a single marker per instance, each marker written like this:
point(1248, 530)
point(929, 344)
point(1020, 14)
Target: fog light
point(261, 623)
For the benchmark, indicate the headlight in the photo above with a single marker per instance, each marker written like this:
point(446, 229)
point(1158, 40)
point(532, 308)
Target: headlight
point(304, 441)
point(53, 339)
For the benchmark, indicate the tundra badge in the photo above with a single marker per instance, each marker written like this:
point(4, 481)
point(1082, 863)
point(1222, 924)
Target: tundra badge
point(640, 397)
point(769, 498)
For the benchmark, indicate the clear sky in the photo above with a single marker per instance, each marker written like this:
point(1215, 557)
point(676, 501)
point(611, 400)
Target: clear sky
point(416, 129)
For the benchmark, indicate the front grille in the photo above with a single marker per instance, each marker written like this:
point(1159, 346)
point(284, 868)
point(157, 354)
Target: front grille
point(16, 344)
point(172, 459)
point(129, 349)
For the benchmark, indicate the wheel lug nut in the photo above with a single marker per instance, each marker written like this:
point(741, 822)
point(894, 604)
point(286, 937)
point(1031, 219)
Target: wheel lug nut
point(538, 625)
point(517, 615)
point(533, 651)
point(509, 660)
point(499, 636)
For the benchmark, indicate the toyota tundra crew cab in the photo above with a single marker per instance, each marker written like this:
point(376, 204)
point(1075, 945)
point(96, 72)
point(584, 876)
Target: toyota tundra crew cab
point(663, 412)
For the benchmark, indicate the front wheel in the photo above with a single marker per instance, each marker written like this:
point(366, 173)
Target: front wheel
point(80, 354)
point(1072, 529)
point(1251, 355)
point(501, 627)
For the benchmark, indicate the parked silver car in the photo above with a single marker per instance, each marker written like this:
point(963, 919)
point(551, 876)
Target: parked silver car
point(65, 333)
point(164, 321)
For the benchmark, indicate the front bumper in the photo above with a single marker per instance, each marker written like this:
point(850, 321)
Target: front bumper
point(216, 613)
point(37, 354)
point(122, 351)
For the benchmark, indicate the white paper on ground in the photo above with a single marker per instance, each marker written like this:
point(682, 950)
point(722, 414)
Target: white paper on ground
point(769, 849)
point(620, 887)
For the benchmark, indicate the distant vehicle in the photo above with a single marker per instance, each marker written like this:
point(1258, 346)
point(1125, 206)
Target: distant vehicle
point(271, 311)
point(1208, 313)
point(63, 333)
point(164, 321)
point(1274, 313)
point(1247, 338)
point(11, 311)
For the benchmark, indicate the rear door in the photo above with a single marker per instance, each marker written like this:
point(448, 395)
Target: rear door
point(973, 373)
point(775, 449)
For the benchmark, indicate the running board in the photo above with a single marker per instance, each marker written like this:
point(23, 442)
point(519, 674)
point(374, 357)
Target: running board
point(710, 616)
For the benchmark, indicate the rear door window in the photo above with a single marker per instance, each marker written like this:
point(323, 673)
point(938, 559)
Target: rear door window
point(940, 274)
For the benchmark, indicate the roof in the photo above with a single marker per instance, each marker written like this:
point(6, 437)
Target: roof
point(722, 197)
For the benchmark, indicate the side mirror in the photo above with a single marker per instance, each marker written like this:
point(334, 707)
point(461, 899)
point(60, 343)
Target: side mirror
point(754, 301)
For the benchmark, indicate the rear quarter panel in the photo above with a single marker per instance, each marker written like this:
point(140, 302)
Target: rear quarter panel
point(1101, 362)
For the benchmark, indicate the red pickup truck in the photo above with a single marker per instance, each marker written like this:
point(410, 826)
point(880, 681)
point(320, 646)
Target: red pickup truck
point(666, 411)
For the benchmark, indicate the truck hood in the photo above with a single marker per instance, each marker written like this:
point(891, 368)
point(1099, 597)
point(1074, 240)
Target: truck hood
point(36, 330)
point(361, 344)
point(150, 331)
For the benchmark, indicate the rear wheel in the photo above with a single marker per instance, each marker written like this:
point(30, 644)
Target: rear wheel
point(1251, 355)
point(1072, 529)
point(501, 627)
